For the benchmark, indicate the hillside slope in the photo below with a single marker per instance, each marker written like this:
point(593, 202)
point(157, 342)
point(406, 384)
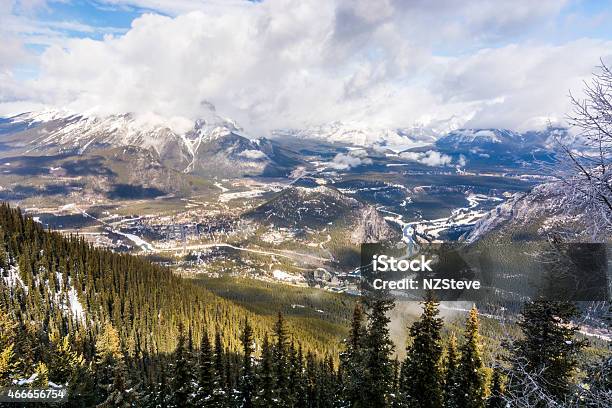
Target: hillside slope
point(69, 287)
point(536, 215)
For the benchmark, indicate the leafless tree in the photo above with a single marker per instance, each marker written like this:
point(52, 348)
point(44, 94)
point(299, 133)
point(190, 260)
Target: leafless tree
point(528, 391)
point(586, 172)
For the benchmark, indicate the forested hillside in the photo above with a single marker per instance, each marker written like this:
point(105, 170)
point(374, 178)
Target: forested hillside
point(117, 330)
point(60, 294)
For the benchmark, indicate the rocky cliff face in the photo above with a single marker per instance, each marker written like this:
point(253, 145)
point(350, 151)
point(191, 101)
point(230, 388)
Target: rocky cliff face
point(371, 227)
point(534, 216)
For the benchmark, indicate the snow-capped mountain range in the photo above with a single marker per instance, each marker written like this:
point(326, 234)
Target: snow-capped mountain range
point(186, 147)
point(71, 131)
point(215, 145)
point(462, 138)
point(77, 131)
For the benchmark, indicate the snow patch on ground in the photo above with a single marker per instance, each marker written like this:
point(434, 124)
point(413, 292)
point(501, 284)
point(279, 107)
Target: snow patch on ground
point(286, 277)
point(220, 186)
point(225, 197)
point(136, 240)
point(13, 279)
point(75, 306)
point(253, 154)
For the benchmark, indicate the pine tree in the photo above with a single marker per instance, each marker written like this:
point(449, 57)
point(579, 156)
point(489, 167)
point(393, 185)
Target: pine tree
point(313, 391)
point(397, 366)
point(42, 376)
point(111, 370)
point(219, 388)
point(328, 393)
point(472, 378)
point(266, 394)
point(279, 353)
point(9, 362)
point(422, 383)
point(352, 361)
point(206, 373)
point(378, 373)
point(4, 257)
point(247, 377)
point(496, 399)
point(292, 374)
point(190, 341)
point(451, 374)
point(229, 383)
point(299, 379)
point(548, 350)
point(64, 362)
point(182, 380)
point(161, 399)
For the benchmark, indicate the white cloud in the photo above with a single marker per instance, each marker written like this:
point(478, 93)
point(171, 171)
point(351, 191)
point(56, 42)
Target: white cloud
point(289, 63)
point(525, 85)
point(430, 158)
point(253, 154)
point(462, 161)
point(354, 158)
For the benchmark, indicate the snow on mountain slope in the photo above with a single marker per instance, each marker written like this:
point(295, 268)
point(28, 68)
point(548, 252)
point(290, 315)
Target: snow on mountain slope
point(70, 130)
point(360, 135)
point(180, 144)
point(533, 216)
point(446, 136)
point(67, 300)
point(500, 139)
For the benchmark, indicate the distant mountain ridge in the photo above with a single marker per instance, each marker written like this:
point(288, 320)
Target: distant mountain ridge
point(362, 136)
point(214, 145)
point(462, 138)
point(64, 130)
point(503, 146)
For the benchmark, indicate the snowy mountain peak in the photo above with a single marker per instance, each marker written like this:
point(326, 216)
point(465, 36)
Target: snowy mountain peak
point(202, 146)
point(70, 131)
point(46, 115)
point(476, 136)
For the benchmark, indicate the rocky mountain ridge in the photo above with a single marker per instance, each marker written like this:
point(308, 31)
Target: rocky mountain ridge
point(535, 215)
point(212, 145)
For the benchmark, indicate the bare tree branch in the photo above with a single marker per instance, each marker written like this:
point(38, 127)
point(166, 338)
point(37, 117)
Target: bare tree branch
point(586, 172)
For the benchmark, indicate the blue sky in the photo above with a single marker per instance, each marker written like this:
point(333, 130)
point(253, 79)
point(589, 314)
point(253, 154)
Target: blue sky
point(89, 13)
point(575, 19)
point(279, 63)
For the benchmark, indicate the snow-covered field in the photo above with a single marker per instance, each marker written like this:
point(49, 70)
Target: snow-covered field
point(225, 197)
point(144, 245)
